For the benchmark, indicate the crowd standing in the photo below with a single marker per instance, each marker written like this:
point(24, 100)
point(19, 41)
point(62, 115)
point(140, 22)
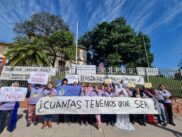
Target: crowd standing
point(8, 110)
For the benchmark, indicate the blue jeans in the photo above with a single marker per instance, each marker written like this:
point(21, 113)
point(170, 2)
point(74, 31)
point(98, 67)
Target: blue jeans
point(162, 117)
point(47, 117)
point(5, 115)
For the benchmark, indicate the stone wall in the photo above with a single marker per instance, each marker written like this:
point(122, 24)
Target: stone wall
point(177, 105)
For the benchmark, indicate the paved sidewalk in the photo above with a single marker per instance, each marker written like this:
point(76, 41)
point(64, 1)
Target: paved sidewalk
point(75, 130)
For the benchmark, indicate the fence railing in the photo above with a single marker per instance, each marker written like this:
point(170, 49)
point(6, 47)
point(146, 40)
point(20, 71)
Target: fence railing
point(171, 78)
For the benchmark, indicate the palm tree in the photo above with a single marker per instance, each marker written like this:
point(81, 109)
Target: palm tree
point(28, 52)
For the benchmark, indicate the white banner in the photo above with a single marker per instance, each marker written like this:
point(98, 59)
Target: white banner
point(95, 105)
point(23, 73)
point(8, 94)
point(115, 78)
point(38, 78)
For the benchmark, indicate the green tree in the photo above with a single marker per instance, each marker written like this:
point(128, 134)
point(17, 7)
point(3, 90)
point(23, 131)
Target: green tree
point(117, 43)
point(40, 24)
point(27, 52)
point(52, 31)
point(61, 44)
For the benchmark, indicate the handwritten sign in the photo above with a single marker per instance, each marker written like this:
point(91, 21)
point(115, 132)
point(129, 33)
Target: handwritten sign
point(115, 78)
point(9, 94)
point(23, 73)
point(38, 78)
point(95, 105)
point(131, 85)
point(148, 85)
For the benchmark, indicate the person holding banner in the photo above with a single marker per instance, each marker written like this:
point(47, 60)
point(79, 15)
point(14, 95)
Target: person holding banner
point(48, 91)
point(8, 112)
point(123, 121)
point(110, 119)
point(84, 118)
point(60, 92)
point(167, 103)
point(35, 95)
point(140, 117)
point(162, 117)
point(97, 92)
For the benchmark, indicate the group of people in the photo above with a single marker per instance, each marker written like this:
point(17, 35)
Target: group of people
point(8, 110)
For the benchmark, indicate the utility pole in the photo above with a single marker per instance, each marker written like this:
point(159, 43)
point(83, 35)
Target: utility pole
point(146, 54)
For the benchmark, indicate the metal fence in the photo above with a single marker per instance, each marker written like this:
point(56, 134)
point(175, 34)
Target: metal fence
point(171, 78)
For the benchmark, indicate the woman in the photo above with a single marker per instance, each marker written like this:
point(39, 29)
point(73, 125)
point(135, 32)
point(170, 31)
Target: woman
point(48, 91)
point(167, 103)
point(97, 92)
point(123, 121)
point(8, 112)
point(140, 117)
point(110, 118)
point(35, 95)
point(84, 118)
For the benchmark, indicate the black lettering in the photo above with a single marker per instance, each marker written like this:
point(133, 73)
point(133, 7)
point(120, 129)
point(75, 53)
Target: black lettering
point(52, 105)
point(58, 105)
point(78, 102)
point(87, 103)
point(40, 107)
point(136, 102)
point(73, 104)
point(45, 105)
point(91, 103)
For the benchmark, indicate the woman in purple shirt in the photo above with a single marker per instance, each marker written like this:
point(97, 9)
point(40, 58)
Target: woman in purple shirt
point(8, 111)
point(48, 91)
point(35, 95)
point(97, 92)
point(110, 118)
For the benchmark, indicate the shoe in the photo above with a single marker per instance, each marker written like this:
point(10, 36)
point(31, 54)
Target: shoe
point(28, 124)
point(44, 125)
point(112, 124)
point(172, 124)
point(165, 124)
point(144, 124)
point(35, 123)
point(49, 124)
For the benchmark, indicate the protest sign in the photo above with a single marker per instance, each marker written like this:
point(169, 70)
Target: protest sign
point(95, 105)
point(115, 78)
point(8, 94)
point(131, 85)
point(148, 85)
point(72, 78)
point(38, 78)
point(23, 73)
point(69, 90)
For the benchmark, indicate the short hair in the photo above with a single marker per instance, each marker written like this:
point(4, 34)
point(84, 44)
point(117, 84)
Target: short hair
point(65, 79)
point(160, 85)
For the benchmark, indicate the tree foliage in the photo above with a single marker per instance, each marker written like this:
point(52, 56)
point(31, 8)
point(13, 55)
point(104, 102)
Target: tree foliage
point(48, 34)
point(115, 43)
point(26, 52)
point(40, 24)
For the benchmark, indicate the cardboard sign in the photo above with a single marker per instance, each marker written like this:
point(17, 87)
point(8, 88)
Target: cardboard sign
point(131, 85)
point(148, 85)
point(10, 94)
point(38, 78)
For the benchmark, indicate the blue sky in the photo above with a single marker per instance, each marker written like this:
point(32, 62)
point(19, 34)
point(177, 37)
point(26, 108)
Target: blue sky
point(161, 20)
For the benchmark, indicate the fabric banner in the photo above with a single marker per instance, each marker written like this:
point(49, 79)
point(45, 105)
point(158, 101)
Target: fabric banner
point(9, 94)
point(38, 78)
point(115, 78)
point(95, 105)
point(23, 73)
point(68, 90)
